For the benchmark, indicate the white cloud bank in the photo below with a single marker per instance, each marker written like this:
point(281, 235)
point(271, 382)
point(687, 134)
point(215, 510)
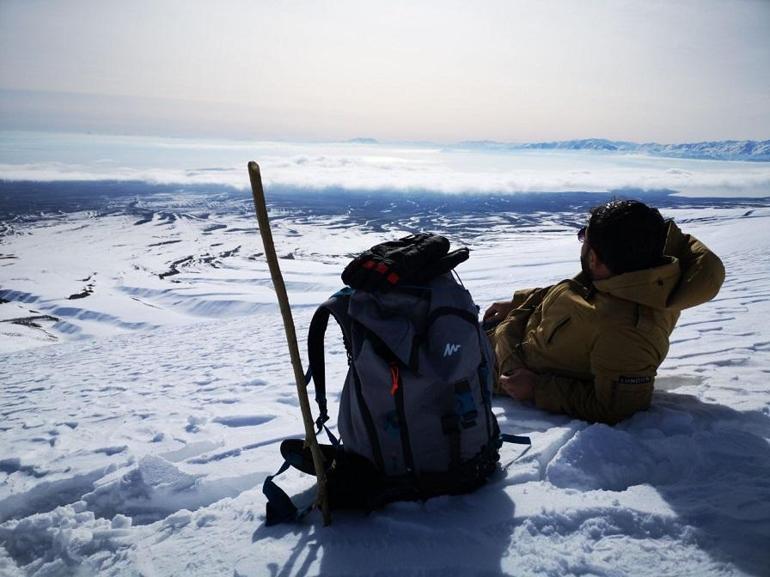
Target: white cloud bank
point(367, 166)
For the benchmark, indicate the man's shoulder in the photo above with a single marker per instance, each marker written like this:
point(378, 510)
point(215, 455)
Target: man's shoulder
point(604, 310)
point(572, 300)
point(614, 316)
point(611, 311)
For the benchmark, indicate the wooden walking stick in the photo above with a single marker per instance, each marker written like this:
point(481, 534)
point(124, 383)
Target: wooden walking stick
point(322, 499)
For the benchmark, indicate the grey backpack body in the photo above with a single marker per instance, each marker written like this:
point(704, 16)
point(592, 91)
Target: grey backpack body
point(416, 401)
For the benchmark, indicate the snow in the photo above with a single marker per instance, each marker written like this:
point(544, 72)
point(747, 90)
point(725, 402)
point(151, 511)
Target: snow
point(139, 421)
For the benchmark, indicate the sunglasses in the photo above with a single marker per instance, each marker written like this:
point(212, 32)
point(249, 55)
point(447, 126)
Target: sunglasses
point(581, 234)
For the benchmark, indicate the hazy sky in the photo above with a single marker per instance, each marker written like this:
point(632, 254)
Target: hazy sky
point(668, 71)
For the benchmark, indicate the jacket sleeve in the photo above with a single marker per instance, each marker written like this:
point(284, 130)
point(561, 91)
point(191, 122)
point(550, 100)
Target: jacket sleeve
point(509, 333)
point(621, 384)
point(702, 271)
point(520, 296)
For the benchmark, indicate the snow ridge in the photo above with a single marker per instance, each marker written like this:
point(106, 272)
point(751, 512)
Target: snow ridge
point(752, 150)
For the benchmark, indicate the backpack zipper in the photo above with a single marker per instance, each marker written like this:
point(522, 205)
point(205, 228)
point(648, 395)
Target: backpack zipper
point(397, 392)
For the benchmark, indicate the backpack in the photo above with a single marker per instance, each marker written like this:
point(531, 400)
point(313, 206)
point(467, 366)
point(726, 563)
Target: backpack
point(416, 403)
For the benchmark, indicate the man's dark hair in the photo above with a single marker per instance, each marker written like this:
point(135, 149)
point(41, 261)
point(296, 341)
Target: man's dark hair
point(627, 235)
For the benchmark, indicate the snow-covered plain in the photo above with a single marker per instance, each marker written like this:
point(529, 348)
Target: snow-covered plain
point(146, 387)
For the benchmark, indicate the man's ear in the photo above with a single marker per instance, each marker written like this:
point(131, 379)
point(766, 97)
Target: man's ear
point(599, 270)
point(593, 259)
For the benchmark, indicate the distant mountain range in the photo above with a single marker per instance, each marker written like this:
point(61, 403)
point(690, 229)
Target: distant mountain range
point(753, 150)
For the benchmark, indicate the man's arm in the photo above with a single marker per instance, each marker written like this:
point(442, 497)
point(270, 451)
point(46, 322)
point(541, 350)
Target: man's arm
point(498, 311)
point(507, 335)
point(624, 367)
point(702, 271)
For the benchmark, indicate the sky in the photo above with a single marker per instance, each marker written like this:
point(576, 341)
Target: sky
point(436, 70)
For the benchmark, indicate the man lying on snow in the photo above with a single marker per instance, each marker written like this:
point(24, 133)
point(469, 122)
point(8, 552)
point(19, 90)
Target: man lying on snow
point(590, 346)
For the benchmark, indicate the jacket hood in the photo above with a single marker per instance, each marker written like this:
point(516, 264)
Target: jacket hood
point(650, 287)
point(691, 276)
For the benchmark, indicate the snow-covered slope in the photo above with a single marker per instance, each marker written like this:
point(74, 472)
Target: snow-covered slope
point(137, 443)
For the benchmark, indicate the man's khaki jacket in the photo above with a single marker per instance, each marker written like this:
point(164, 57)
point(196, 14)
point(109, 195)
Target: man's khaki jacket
point(596, 346)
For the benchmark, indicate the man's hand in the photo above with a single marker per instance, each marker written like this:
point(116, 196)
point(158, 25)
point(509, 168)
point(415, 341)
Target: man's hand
point(497, 312)
point(519, 384)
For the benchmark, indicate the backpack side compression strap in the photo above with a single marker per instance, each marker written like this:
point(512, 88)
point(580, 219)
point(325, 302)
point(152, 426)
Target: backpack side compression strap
point(515, 439)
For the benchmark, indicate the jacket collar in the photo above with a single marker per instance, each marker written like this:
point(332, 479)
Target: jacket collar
point(650, 287)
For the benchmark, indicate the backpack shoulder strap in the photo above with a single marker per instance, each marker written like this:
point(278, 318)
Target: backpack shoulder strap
point(336, 306)
point(280, 507)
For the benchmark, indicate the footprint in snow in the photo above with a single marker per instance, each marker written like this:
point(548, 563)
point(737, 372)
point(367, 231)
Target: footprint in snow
point(243, 420)
point(109, 451)
point(254, 383)
point(288, 400)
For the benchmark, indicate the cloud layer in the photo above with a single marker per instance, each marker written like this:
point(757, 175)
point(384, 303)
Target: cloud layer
point(368, 166)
